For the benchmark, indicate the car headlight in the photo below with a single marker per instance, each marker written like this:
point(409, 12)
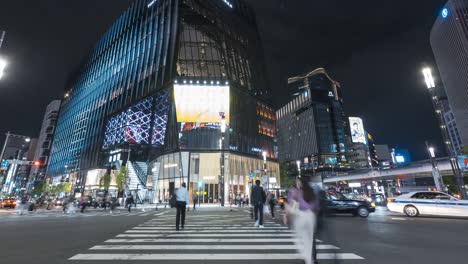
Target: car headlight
point(372, 204)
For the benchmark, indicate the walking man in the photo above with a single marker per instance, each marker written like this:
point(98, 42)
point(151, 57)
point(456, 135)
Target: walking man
point(272, 202)
point(181, 204)
point(258, 198)
point(195, 201)
point(130, 202)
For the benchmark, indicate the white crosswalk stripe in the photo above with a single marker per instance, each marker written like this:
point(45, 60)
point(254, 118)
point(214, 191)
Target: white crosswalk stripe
point(90, 213)
point(207, 238)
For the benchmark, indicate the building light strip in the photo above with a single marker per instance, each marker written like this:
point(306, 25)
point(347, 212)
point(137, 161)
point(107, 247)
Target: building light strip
point(228, 3)
point(152, 3)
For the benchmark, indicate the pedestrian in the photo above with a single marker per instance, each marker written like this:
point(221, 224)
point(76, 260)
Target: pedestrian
point(271, 201)
point(129, 202)
point(195, 201)
point(112, 204)
point(258, 198)
point(82, 204)
point(181, 195)
point(302, 208)
point(104, 203)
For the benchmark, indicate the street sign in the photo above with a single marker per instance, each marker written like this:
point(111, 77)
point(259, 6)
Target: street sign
point(257, 171)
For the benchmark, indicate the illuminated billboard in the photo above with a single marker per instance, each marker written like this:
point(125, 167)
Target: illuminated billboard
point(201, 103)
point(463, 162)
point(357, 130)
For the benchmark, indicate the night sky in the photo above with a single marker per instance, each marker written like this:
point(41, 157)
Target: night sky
point(375, 49)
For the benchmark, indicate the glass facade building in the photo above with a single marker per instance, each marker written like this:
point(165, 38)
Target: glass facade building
point(163, 80)
point(312, 127)
point(449, 42)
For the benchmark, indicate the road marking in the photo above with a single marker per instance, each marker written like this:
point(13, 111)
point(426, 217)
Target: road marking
point(198, 225)
point(211, 231)
point(205, 235)
point(213, 228)
point(399, 218)
point(341, 256)
point(204, 240)
point(203, 247)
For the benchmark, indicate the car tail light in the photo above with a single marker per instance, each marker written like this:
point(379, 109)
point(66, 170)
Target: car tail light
point(390, 200)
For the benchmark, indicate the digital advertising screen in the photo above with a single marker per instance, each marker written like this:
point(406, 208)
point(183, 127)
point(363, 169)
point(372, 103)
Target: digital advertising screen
point(201, 103)
point(357, 130)
point(463, 163)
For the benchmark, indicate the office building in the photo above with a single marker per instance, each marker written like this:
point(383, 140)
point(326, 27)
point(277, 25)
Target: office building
point(384, 155)
point(44, 142)
point(17, 155)
point(172, 87)
point(449, 41)
point(312, 126)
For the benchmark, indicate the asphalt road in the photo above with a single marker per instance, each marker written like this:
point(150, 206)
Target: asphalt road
point(215, 235)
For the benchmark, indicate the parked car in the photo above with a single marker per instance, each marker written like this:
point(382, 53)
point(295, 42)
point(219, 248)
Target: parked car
point(337, 203)
point(428, 203)
point(8, 203)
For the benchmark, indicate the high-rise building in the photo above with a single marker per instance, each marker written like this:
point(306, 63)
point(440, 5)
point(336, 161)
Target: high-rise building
point(384, 155)
point(18, 153)
point(449, 120)
point(178, 89)
point(312, 126)
point(44, 142)
point(449, 41)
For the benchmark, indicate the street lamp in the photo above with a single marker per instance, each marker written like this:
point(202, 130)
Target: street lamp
point(221, 180)
point(430, 84)
point(431, 151)
point(298, 163)
point(427, 72)
point(3, 64)
point(435, 169)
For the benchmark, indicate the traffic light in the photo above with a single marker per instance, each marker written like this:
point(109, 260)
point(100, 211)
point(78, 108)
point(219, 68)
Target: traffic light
point(36, 163)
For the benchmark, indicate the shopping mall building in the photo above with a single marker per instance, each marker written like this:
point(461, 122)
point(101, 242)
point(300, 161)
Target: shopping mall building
point(176, 90)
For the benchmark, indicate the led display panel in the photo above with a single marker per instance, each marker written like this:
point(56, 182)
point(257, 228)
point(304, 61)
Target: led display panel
point(201, 103)
point(357, 130)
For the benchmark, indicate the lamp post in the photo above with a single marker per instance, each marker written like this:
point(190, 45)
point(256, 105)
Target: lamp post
point(435, 169)
point(264, 155)
point(298, 163)
point(430, 84)
point(221, 181)
point(3, 62)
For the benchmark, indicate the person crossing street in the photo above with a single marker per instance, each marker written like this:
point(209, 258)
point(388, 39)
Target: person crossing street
point(258, 198)
point(181, 204)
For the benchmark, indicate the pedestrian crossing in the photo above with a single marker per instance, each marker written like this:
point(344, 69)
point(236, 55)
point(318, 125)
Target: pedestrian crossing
point(94, 213)
point(209, 238)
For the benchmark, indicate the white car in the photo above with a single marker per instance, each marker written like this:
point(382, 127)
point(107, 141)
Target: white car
point(428, 203)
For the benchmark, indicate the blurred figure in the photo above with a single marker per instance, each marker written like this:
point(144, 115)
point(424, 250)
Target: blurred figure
point(258, 198)
point(195, 201)
point(129, 202)
point(271, 201)
point(302, 208)
point(82, 204)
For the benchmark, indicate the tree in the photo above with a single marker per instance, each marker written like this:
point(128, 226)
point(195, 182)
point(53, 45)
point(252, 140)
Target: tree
point(39, 188)
point(286, 180)
point(464, 151)
point(121, 178)
point(106, 180)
